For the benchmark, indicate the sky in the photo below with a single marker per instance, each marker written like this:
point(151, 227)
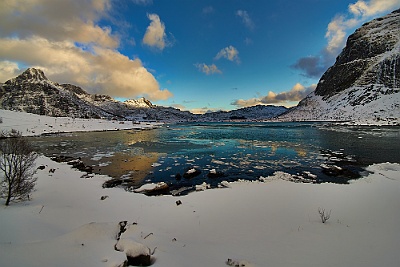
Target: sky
point(196, 55)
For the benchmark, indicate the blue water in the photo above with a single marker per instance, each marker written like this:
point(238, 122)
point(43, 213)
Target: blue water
point(234, 150)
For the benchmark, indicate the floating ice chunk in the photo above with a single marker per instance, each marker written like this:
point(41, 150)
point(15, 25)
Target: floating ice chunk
point(191, 171)
point(155, 164)
point(105, 164)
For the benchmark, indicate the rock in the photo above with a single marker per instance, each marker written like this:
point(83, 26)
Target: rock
point(343, 171)
point(215, 174)
point(112, 183)
point(87, 176)
point(202, 187)
point(136, 253)
point(41, 167)
point(161, 188)
point(178, 202)
point(225, 184)
point(61, 158)
point(191, 173)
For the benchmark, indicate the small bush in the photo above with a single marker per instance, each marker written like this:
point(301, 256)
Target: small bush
point(324, 215)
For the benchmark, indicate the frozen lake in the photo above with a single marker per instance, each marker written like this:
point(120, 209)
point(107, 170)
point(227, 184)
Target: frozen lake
point(230, 151)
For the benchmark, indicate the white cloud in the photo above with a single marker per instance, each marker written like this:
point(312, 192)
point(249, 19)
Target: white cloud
point(100, 71)
point(357, 13)
point(64, 39)
point(297, 93)
point(208, 69)
point(230, 53)
point(155, 34)
point(8, 69)
point(246, 19)
point(337, 32)
point(373, 7)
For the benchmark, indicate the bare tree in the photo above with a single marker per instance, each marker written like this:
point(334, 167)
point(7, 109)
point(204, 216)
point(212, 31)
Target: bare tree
point(17, 162)
point(324, 216)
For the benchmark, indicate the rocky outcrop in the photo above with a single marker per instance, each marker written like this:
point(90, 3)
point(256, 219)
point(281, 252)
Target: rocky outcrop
point(364, 83)
point(371, 56)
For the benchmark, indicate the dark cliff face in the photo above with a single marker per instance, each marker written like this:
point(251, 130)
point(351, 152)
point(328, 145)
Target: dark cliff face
point(371, 56)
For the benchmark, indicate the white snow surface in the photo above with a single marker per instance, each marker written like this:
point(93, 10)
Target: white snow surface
point(269, 223)
point(385, 110)
point(32, 125)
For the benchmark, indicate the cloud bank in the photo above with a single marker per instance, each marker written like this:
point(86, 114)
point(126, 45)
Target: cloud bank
point(337, 31)
point(65, 40)
point(297, 93)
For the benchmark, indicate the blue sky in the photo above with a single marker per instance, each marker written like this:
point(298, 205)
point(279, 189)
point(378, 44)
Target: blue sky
point(195, 55)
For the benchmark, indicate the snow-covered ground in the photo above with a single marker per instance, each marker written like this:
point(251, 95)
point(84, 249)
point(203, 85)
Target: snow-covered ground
point(31, 124)
point(384, 110)
point(272, 223)
point(72, 221)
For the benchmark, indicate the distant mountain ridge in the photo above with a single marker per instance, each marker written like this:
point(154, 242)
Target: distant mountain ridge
point(364, 82)
point(33, 92)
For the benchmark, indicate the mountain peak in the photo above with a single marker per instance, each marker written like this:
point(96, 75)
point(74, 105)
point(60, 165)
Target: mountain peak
point(141, 102)
point(33, 74)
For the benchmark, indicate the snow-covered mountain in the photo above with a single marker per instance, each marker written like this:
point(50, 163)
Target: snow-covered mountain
point(259, 112)
point(33, 92)
point(364, 83)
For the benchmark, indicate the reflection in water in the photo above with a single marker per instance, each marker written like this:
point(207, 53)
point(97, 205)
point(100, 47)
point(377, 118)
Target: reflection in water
point(135, 167)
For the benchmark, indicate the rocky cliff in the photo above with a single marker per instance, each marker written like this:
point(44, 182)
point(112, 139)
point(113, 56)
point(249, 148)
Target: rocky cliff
point(364, 82)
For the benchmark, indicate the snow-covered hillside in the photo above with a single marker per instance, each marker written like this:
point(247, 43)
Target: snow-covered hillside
point(363, 85)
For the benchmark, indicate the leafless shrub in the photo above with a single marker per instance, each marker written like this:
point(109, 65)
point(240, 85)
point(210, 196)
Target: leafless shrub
point(17, 162)
point(324, 215)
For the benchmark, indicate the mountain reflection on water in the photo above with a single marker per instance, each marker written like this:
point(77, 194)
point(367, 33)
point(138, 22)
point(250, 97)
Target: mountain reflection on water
point(234, 150)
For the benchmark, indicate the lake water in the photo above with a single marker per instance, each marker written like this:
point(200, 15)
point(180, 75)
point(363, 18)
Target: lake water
point(234, 150)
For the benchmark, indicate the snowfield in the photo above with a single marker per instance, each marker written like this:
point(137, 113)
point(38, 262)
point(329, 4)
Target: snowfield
point(33, 125)
point(72, 221)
